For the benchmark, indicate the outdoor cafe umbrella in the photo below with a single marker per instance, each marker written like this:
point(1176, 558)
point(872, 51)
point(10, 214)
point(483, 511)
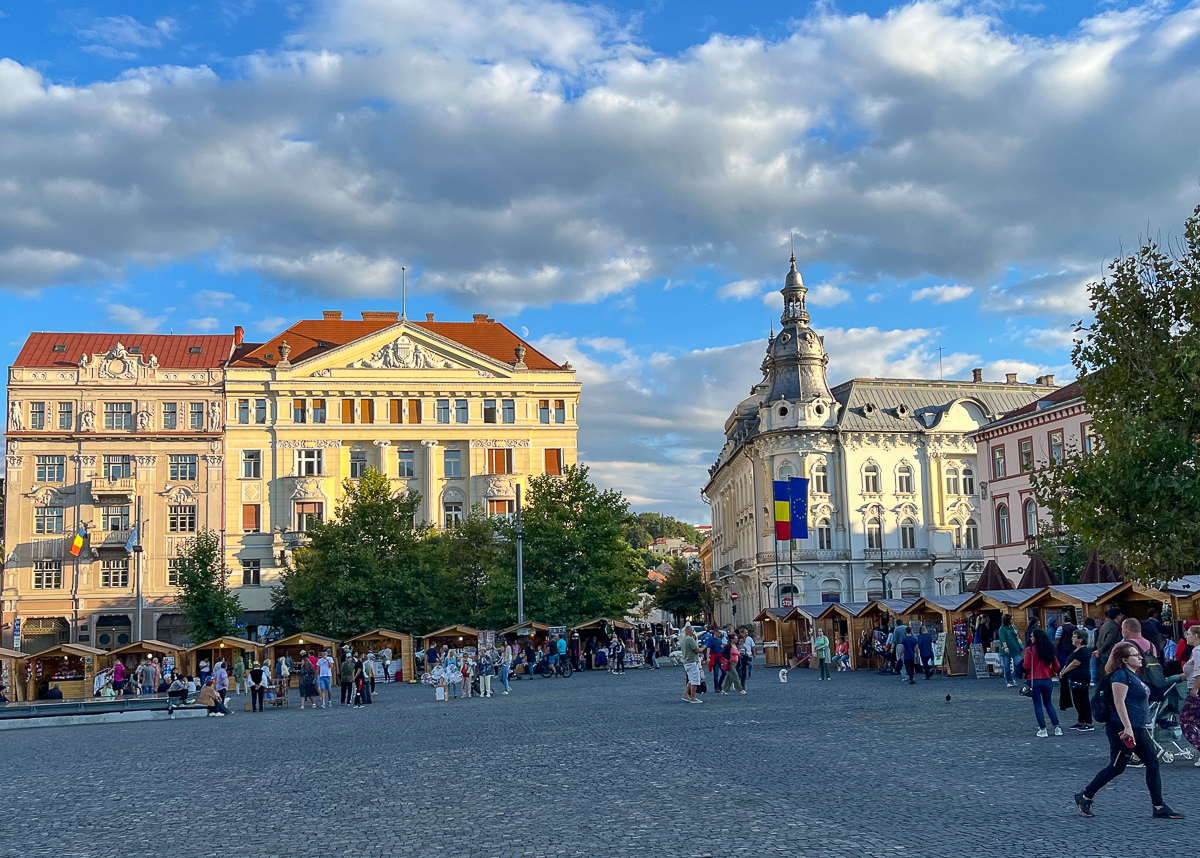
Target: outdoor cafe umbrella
point(993, 578)
point(1037, 575)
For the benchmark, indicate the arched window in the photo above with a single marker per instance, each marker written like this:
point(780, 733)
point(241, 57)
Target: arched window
point(956, 526)
point(874, 588)
point(786, 472)
point(1003, 534)
point(871, 479)
point(904, 480)
point(973, 534)
point(1031, 527)
point(910, 588)
point(824, 535)
point(788, 595)
point(820, 480)
point(952, 481)
point(908, 533)
point(968, 481)
point(831, 590)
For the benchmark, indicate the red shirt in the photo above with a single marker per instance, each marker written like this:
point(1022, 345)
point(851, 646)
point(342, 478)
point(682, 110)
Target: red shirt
point(1036, 669)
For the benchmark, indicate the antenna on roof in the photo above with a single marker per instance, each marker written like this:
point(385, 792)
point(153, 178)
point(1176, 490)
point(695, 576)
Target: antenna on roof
point(403, 312)
point(940, 376)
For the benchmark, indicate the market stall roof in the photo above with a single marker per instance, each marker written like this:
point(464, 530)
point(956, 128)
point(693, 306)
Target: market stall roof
point(304, 638)
point(894, 606)
point(1011, 598)
point(1088, 594)
point(993, 578)
point(12, 653)
point(223, 641)
point(457, 631)
point(1091, 571)
point(772, 614)
point(1133, 588)
point(374, 634)
point(528, 624)
point(810, 612)
point(1188, 585)
point(939, 604)
point(1037, 575)
point(597, 621)
point(71, 649)
point(147, 646)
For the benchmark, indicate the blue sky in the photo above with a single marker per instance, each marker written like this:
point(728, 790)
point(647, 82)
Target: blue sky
point(616, 181)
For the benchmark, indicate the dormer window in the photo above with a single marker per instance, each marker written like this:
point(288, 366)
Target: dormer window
point(61, 347)
point(321, 344)
point(901, 410)
point(135, 350)
point(270, 356)
point(195, 350)
point(869, 408)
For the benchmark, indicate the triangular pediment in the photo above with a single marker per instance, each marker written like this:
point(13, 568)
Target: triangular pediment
point(403, 348)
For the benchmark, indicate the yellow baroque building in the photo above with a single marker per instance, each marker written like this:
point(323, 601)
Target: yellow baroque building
point(461, 412)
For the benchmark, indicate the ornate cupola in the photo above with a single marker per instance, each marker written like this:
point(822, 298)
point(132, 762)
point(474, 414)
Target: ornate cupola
point(794, 368)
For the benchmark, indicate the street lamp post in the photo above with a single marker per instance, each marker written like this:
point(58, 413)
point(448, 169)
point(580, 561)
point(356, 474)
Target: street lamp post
point(520, 563)
point(1062, 555)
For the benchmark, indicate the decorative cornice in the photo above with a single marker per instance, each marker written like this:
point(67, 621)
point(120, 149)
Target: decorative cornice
point(308, 444)
point(491, 442)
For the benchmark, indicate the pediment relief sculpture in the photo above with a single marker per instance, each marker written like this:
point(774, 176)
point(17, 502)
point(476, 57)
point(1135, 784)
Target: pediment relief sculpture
point(307, 489)
point(404, 353)
point(500, 487)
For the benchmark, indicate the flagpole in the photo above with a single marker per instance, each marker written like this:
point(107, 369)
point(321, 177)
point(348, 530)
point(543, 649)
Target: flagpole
point(137, 564)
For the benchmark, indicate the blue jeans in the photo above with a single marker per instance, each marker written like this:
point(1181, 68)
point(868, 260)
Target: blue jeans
point(504, 676)
point(1042, 689)
point(1006, 662)
point(718, 675)
point(1095, 662)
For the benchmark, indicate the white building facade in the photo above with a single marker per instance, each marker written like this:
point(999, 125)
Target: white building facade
point(894, 504)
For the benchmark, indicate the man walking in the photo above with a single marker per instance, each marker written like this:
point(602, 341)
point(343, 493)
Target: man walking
point(1109, 635)
point(325, 679)
point(239, 676)
point(346, 677)
point(689, 649)
point(925, 649)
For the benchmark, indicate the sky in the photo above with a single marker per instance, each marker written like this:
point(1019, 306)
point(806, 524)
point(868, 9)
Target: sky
point(618, 182)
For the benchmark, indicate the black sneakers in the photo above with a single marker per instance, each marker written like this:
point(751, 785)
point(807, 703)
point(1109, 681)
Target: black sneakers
point(1165, 812)
point(1085, 805)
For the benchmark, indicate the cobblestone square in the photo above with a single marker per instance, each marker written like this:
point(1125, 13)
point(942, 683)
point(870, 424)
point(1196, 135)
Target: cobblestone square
point(595, 765)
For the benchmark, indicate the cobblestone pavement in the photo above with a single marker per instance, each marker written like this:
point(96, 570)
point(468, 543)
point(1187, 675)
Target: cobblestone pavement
point(596, 765)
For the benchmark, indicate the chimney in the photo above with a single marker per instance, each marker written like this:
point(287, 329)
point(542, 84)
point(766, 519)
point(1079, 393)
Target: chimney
point(977, 374)
point(1048, 380)
point(1010, 378)
point(239, 335)
point(480, 317)
point(429, 317)
point(332, 315)
point(381, 315)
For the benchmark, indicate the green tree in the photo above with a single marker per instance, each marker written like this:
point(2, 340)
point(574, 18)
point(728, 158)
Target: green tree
point(204, 600)
point(365, 568)
point(1069, 565)
point(468, 560)
point(682, 592)
point(1136, 496)
point(645, 527)
point(578, 563)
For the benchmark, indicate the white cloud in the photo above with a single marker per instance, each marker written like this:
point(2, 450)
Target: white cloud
point(132, 319)
point(206, 325)
point(941, 294)
point(740, 290)
point(270, 325)
point(1050, 339)
point(327, 164)
point(827, 295)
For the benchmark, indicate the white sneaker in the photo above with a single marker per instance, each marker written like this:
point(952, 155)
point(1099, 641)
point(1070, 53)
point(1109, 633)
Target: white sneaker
point(1058, 731)
point(1042, 734)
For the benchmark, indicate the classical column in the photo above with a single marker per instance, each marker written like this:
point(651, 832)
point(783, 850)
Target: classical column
point(429, 483)
point(385, 459)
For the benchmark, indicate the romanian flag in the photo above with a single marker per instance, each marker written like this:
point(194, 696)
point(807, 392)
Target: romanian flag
point(791, 509)
point(77, 542)
point(783, 511)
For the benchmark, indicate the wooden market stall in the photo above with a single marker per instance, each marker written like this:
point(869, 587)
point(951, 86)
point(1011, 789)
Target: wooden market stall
point(170, 657)
point(866, 617)
point(72, 667)
point(1185, 598)
point(1072, 603)
point(778, 636)
point(455, 637)
point(806, 619)
point(940, 615)
point(225, 648)
point(600, 629)
point(845, 614)
point(291, 646)
point(1008, 602)
point(12, 674)
point(531, 628)
point(1136, 600)
point(399, 644)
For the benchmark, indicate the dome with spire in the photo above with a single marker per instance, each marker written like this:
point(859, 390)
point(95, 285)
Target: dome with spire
point(794, 367)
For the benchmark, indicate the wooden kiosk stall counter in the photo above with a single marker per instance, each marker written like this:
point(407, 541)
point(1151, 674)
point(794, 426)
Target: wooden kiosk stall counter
point(1185, 598)
point(291, 647)
point(946, 618)
point(225, 648)
point(778, 636)
point(397, 645)
point(72, 667)
point(1136, 600)
point(521, 633)
point(170, 657)
point(1071, 603)
point(455, 637)
point(12, 674)
point(851, 614)
point(805, 619)
point(599, 629)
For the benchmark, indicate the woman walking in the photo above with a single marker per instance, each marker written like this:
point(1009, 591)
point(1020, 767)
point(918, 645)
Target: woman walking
point(308, 683)
point(1040, 666)
point(505, 667)
point(1076, 676)
point(1128, 730)
point(1010, 650)
point(733, 656)
point(821, 654)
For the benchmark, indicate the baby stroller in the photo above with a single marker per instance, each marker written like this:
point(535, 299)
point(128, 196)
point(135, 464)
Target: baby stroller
point(1167, 694)
point(887, 665)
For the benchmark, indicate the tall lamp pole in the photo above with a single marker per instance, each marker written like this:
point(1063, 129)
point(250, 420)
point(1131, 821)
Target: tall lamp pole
point(520, 563)
point(882, 571)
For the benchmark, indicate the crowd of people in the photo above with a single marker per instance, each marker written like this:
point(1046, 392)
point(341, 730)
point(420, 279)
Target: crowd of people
point(726, 655)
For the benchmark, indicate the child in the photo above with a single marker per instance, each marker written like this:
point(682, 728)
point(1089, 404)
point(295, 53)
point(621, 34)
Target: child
point(842, 658)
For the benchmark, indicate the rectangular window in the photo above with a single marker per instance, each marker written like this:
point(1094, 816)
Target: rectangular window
point(824, 537)
point(118, 415)
point(196, 415)
point(181, 519)
point(114, 573)
point(172, 571)
point(560, 411)
point(997, 463)
point(260, 411)
point(452, 513)
point(251, 518)
point(115, 518)
point(367, 410)
point(37, 415)
point(554, 463)
point(395, 411)
point(170, 415)
point(243, 411)
point(47, 575)
point(1057, 451)
point(318, 411)
point(48, 519)
point(502, 508)
point(1089, 439)
point(544, 411)
point(452, 463)
point(874, 539)
point(443, 411)
point(182, 467)
point(252, 464)
point(500, 460)
point(251, 572)
point(307, 514)
point(310, 463)
point(66, 415)
point(1026, 455)
point(508, 411)
point(118, 467)
point(489, 411)
point(908, 536)
point(347, 410)
point(460, 411)
point(358, 464)
point(299, 410)
point(406, 463)
point(51, 469)
point(904, 481)
point(414, 411)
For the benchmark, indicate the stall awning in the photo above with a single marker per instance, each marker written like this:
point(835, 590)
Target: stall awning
point(81, 650)
point(305, 639)
point(596, 622)
point(377, 634)
point(542, 628)
point(776, 614)
point(464, 632)
point(226, 641)
point(147, 646)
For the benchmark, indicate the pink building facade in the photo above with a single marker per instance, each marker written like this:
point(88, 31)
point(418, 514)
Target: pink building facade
point(1009, 450)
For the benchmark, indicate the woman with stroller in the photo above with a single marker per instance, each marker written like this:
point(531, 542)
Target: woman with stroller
point(1041, 664)
point(1128, 730)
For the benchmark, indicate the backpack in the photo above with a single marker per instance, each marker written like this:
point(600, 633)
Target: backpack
point(1102, 709)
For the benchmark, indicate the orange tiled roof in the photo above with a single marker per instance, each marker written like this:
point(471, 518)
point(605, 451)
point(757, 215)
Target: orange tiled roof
point(310, 337)
point(172, 351)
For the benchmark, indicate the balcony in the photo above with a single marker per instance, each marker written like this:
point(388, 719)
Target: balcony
point(968, 553)
point(108, 539)
point(113, 491)
point(820, 554)
point(900, 553)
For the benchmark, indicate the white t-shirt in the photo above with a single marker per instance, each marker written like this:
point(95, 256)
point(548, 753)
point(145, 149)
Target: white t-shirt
point(325, 665)
point(749, 647)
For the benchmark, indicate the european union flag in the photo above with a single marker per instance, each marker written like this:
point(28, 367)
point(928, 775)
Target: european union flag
point(798, 490)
